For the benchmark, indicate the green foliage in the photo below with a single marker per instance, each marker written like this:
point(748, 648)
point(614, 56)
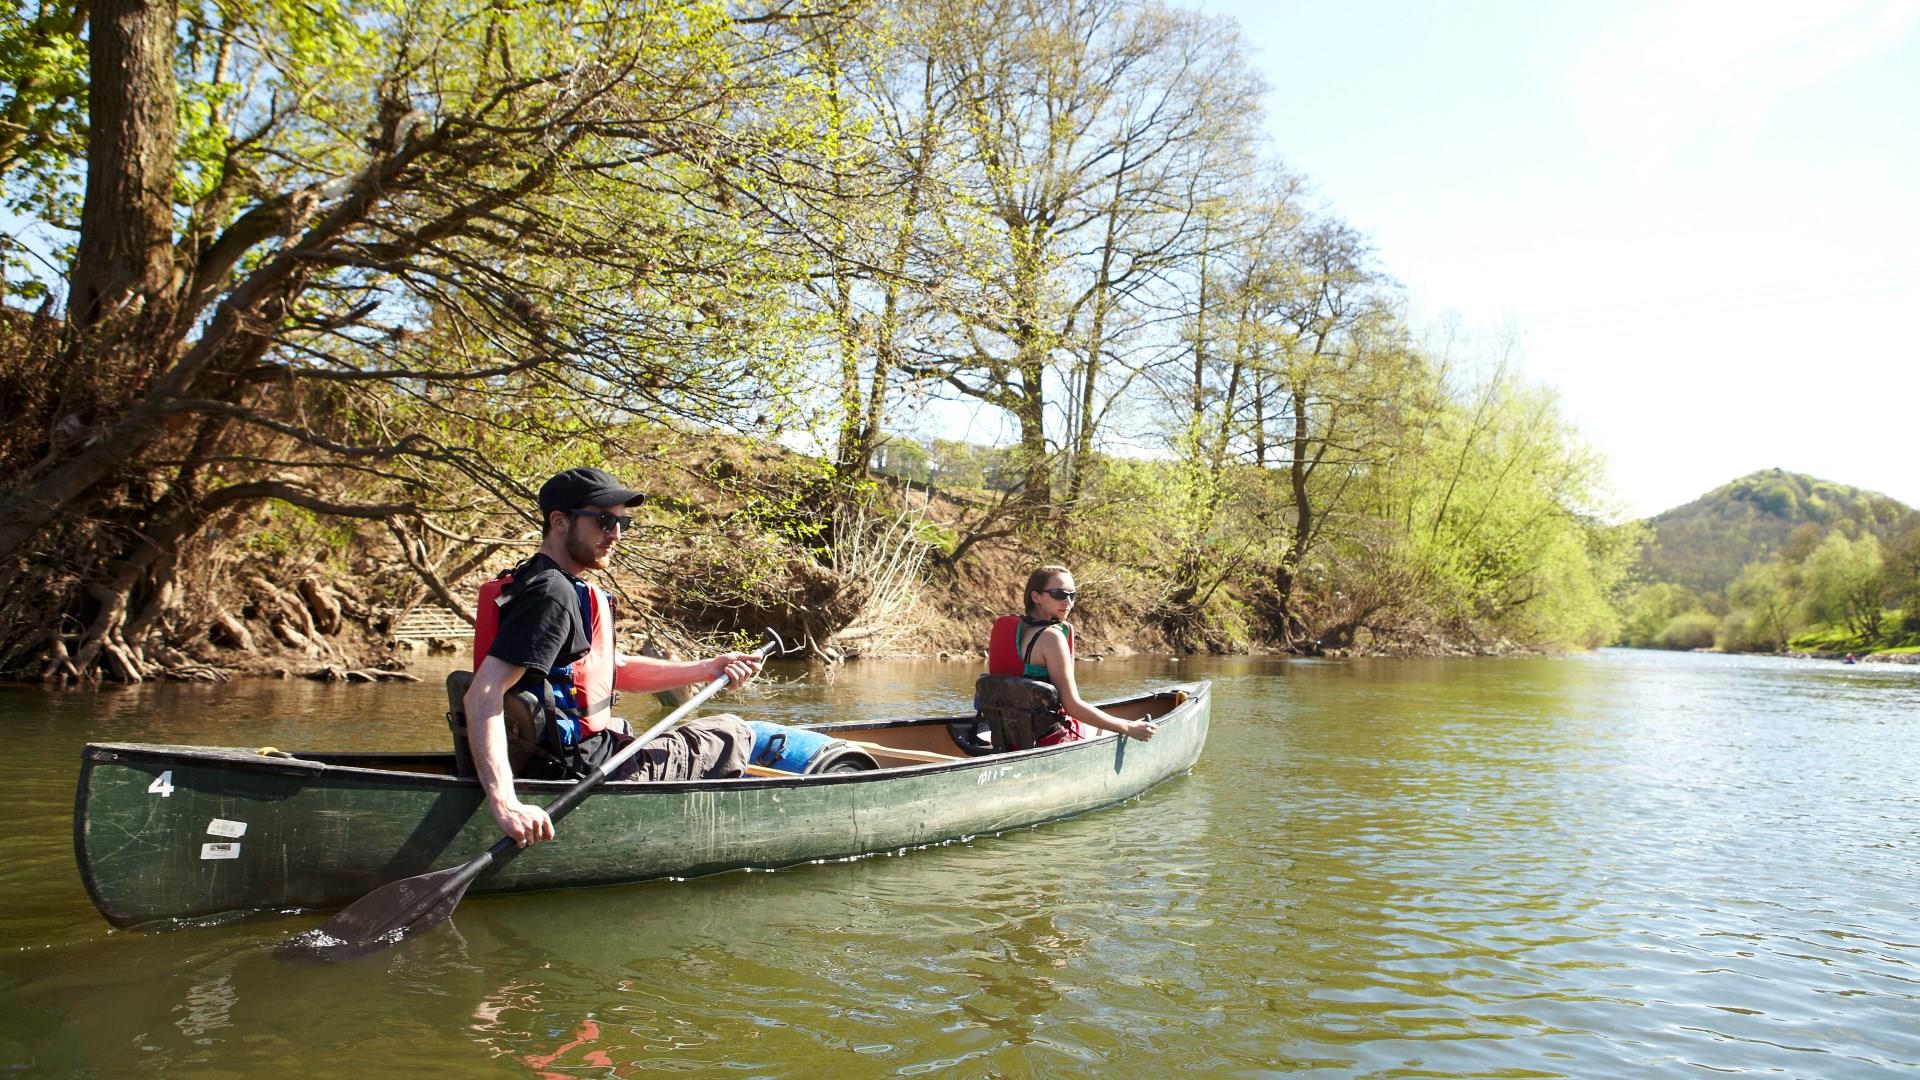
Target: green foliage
point(1704, 544)
point(1737, 633)
point(1502, 498)
point(1767, 607)
point(1834, 591)
point(1122, 527)
point(1825, 638)
point(788, 501)
point(43, 69)
point(905, 459)
point(1692, 630)
point(1901, 572)
point(1650, 608)
point(289, 534)
point(1843, 585)
point(962, 464)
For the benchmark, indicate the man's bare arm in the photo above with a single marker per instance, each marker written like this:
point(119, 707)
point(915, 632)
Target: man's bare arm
point(485, 705)
point(642, 674)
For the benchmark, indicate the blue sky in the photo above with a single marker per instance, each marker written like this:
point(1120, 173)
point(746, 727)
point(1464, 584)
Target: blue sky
point(1699, 222)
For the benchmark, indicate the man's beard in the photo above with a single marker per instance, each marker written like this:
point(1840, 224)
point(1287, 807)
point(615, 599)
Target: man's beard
point(583, 553)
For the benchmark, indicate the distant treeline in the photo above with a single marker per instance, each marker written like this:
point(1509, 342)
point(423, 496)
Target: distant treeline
point(339, 271)
point(1824, 589)
point(1705, 544)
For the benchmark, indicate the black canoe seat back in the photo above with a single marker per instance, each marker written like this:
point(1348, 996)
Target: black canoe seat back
point(457, 683)
point(524, 724)
point(1017, 712)
point(972, 735)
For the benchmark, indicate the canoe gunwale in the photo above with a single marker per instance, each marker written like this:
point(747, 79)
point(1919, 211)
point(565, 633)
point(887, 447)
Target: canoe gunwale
point(318, 763)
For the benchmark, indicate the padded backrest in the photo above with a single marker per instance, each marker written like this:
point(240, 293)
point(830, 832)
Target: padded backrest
point(1018, 712)
point(523, 725)
point(457, 683)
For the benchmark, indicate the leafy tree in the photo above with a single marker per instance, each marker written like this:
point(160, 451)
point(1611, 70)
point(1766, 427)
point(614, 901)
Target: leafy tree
point(1650, 608)
point(1692, 630)
point(1901, 572)
point(1087, 126)
point(43, 62)
point(1843, 584)
point(1801, 541)
point(1295, 377)
point(903, 458)
point(1503, 514)
point(304, 227)
point(961, 464)
point(1764, 596)
point(1212, 390)
point(854, 210)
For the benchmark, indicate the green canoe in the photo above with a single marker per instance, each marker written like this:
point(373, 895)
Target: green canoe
point(170, 832)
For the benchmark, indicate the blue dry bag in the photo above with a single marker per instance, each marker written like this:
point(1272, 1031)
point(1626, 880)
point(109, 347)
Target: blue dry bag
point(800, 750)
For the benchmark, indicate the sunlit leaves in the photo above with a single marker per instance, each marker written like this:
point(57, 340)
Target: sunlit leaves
point(43, 79)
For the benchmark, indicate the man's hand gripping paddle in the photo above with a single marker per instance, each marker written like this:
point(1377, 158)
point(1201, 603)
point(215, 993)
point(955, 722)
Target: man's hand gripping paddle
point(410, 906)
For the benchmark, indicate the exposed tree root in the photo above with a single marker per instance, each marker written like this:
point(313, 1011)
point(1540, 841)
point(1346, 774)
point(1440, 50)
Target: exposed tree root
point(144, 619)
point(332, 673)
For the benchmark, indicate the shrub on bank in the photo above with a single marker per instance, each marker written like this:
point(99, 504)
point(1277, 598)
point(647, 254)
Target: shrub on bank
point(1690, 630)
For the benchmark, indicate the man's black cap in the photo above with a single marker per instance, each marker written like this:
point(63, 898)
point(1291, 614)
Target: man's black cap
point(576, 488)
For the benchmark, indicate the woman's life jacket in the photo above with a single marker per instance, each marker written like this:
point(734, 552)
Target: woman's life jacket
point(1020, 706)
point(577, 693)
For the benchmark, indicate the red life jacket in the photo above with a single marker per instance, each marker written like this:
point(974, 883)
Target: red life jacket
point(1003, 647)
point(1021, 710)
point(579, 691)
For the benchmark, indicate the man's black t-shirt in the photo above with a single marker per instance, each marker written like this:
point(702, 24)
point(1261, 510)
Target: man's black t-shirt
point(541, 625)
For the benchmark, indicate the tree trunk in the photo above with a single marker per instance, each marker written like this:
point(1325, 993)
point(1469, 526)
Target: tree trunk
point(1259, 418)
point(126, 224)
point(1298, 470)
point(122, 269)
point(1096, 344)
point(856, 442)
point(1037, 492)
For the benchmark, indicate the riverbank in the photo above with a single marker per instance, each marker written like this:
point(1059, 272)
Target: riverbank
point(1892, 656)
point(741, 534)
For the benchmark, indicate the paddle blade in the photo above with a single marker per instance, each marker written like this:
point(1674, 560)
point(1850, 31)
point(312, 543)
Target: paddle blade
point(386, 916)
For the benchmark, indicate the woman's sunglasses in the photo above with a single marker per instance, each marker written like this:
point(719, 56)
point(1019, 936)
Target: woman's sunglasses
point(1061, 594)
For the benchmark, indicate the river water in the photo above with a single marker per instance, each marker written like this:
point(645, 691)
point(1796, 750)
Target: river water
point(1615, 865)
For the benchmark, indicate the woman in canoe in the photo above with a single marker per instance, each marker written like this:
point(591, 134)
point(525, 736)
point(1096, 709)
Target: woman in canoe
point(1039, 645)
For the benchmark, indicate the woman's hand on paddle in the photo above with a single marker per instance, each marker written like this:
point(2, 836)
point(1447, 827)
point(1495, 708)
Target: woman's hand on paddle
point(525, 823)
point(738, 667)
point(1139, 729)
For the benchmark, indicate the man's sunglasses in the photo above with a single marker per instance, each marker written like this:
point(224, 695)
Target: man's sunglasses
point(603, 519)
point(1060, 594)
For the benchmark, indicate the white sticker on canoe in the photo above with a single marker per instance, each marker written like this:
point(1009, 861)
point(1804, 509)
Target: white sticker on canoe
point(223, 827)
point(219, 851)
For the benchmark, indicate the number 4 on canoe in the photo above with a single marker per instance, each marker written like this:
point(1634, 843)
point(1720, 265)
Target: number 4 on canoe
point(410, 906)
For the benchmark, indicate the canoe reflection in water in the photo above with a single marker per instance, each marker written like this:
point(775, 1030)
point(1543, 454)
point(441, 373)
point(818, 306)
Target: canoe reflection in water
point(684, 977)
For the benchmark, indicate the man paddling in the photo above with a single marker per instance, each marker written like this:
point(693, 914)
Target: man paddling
point(555, 639)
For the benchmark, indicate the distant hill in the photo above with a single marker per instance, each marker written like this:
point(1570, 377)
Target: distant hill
point(1703, 544)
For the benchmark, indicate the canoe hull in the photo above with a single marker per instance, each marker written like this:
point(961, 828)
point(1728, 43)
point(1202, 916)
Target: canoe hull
point(169, 832)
